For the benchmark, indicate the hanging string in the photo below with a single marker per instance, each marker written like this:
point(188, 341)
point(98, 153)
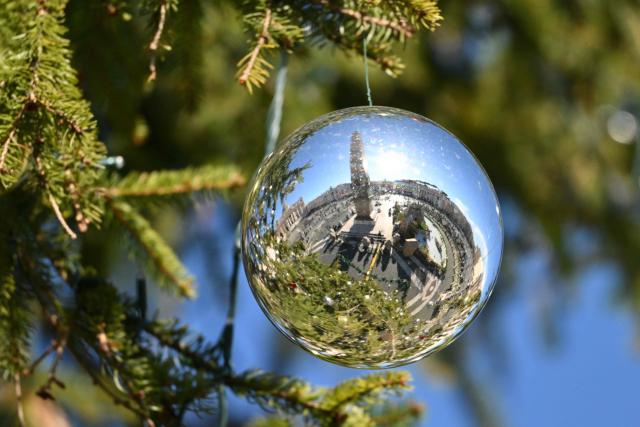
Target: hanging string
point(366, 69)
point(274, 116)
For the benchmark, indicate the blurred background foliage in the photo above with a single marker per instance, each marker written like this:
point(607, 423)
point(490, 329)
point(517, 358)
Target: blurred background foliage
point(544, 92)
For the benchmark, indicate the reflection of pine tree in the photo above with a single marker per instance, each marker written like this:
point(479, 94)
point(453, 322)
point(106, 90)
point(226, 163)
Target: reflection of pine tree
point(352, 321)
point(281, 182)
point(358, 319)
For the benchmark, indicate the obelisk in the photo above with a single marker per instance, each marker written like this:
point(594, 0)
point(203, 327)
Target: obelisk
point(360, 178)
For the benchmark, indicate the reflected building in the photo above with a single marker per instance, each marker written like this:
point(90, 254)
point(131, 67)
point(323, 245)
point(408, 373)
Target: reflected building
point(290, 217)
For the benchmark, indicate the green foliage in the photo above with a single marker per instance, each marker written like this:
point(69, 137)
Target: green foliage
point(54, 188)
point(403, 415)
point(46, 127)
point(161, 260)
point(15, 326)
point(171, 185)
point(270, 422)
point(345, 404)
point(287, 24)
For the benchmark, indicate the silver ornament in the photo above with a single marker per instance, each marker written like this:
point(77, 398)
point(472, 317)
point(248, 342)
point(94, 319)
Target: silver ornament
point(371, 237)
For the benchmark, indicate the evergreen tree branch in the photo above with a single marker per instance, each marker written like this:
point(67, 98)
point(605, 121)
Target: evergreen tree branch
point(337, 406)
point(360, 389)
point(401, 26)
point(45, 390)
point(162, 260)
point(56, 319)
point(60, 217)
point(42, 109)
point(398, 415)
point(15, 324)
point(248, 74)
point(287, 23)
point(153, 46)
point(20, 407)
point(28, 371)
point(99, 382)
point(13, 128)
point(164, 184)
point(174, 337)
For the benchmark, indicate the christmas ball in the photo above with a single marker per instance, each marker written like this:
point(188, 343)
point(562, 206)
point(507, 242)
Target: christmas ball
point(371, 237)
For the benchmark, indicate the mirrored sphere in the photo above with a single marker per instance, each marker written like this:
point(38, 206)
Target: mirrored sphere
point(371, 237)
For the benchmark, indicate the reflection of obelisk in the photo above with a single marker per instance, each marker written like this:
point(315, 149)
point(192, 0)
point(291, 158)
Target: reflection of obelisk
point(359, 178)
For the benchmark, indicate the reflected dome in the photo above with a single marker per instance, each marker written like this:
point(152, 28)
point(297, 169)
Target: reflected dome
point(371, 237)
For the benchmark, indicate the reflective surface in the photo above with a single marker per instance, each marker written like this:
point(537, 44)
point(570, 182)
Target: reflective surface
point(371, 237)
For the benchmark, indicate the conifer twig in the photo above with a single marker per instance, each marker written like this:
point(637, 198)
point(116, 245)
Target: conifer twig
point(262, 40)
point(20, 408)
point(61, 115)
point(11, 135)
point(401, 27)
point(28, 371)
point(60, 217)
point(45, 391)
point(155, 42)
point(142, 187)
point(162, 257)
point(5, 148)
point(97, 381)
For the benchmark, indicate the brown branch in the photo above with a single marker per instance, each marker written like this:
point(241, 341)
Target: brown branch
point(196, 359)
point(262, 40)
point(53, 319)
point(61, 220)
point(155, 42)
point(97, 381)
point(401, 27)
point(28, 371)
point(45, 391)
point(10, 136)
point(5, 148)
point(75, 127)
point(20, 408)
point(230, 380)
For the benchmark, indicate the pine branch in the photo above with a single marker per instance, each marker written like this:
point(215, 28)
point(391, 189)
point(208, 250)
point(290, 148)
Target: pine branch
point(363, 389)
point(404, 414)
point(338, 406)
point(153, 46)
point(155, 42)
point(46, 389)
point(253, 68)
point(196, 351)
point(162, 261)
point(166, 184)
point(102, 383)
point(286, 24)
point(60, 217)
point(41, 109)
point(401, 26)
point(11, 134)
point(20, 412)
point(15, 326)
